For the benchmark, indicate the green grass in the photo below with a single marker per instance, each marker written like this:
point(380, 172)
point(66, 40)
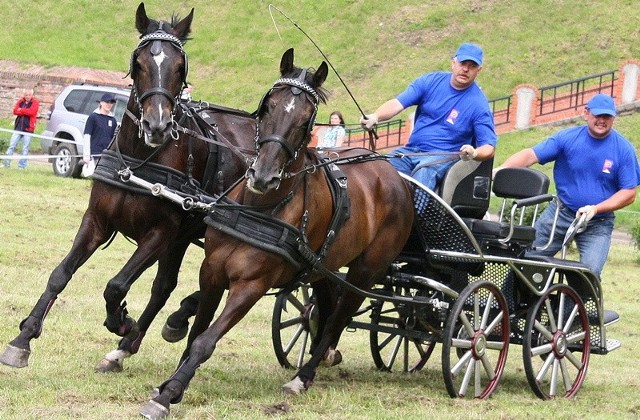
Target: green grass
point(41, 214)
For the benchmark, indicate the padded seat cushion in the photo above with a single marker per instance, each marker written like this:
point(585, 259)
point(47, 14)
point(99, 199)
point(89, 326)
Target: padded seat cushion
point(497, 230)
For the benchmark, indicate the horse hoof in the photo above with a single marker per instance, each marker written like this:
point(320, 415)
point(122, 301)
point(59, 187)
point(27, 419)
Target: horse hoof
point(173, 335)
point(154, 411)
point(332, 358)
point(107, 366)
point(15, 357)
point(295, 387)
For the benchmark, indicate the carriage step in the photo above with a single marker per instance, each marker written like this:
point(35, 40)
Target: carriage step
point(613, 344)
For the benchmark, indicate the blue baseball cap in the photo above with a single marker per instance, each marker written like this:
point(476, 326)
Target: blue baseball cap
point(108, 97)
point(602, 104)
point(468, 51)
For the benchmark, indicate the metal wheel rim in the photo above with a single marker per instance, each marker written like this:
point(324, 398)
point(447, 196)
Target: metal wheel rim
point(477, 372)
point(556, 347)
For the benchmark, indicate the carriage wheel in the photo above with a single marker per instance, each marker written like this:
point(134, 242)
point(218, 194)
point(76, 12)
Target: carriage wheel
point(294, 325)
point(556, 345)
point(387, 347)
point(476, 341)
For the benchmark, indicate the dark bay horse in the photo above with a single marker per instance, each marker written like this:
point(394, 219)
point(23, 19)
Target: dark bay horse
point(288, 201)
point(161, 140)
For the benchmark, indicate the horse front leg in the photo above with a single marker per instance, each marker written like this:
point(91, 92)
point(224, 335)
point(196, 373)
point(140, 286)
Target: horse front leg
point(346, 306)
point(89, 237)
point(202, 343)
point(163, 285)
point(150, 249)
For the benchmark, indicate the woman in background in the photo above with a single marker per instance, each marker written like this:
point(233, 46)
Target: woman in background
point(334, 135)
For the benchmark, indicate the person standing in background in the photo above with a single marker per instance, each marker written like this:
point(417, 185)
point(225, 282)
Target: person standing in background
point(98, 132)
point(26, 112)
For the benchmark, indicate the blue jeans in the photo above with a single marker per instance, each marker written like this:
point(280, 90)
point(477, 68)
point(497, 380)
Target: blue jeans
point(13, 143)
point(593, 244)
point(420, 167)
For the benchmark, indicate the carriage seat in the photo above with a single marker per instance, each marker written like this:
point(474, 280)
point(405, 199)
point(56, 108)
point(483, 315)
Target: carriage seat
point(466, 187)
point(525, 188)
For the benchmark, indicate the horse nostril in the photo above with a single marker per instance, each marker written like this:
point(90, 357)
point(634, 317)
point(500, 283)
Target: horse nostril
point(145, 126)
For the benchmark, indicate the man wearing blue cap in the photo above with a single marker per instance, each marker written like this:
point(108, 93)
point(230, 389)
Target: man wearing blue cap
point(596, 172)
point(98, 132)
point(452, 115)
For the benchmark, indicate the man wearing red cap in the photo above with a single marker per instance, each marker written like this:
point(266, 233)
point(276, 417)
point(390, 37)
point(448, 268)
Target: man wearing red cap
point(452, 115)
point(596, 172)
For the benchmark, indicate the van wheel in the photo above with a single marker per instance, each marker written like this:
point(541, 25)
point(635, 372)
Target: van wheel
point(65, 163)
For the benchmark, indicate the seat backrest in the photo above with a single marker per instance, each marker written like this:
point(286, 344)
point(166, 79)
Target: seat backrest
point(520, 183)
point(467, 187)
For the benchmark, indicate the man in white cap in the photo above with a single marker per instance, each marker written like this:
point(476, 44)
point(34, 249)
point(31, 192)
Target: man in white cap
point(452, 115)
point(596, 172)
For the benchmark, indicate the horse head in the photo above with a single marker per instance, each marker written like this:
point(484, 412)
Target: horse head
point(285, 119)
point(158, 69)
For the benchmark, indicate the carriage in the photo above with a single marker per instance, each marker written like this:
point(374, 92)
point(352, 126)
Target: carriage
point(465, 282)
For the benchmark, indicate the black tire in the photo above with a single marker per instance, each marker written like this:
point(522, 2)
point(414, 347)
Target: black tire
point(556, 345)
point(476, 341)
point(388, 347)
point(294, 325)
point(64, 163)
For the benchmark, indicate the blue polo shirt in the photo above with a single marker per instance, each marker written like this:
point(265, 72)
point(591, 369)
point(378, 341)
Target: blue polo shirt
point(447, 118)
point(588, 170)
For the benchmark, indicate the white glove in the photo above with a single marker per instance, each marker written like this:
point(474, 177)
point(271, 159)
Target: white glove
point(86, 148)
point(468, 152)
point(588, 211)
point(369, 121)
point(494, 172)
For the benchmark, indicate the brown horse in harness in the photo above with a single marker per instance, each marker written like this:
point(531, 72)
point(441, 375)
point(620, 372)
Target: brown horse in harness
point(160, 142)
point(282, 228)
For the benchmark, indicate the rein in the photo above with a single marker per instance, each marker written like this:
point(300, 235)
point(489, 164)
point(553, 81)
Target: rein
point(369, 157)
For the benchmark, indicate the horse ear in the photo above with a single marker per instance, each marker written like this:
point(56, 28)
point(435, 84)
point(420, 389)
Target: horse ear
point(142, 21)
point(321, 75)
point(183, 28)
point(286, 64)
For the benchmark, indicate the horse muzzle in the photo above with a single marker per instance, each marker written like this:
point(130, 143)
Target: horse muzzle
point(259, 182)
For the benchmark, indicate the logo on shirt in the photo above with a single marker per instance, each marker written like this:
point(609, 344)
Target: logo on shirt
point(453, 116)
point(606, 167)
point(110, 123)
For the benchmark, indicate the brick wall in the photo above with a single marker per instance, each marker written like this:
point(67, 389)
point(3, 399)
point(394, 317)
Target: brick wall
point(47, 84)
